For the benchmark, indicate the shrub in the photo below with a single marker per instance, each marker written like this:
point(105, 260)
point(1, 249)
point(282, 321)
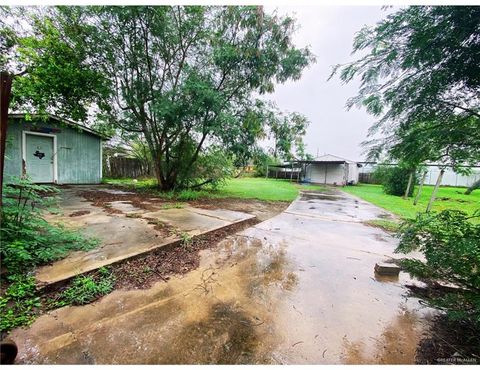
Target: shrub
point(394, 180)
point(450, 242)
point(27, 239)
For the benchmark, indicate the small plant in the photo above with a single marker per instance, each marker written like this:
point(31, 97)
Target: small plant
point(19, 303)
point(28, 240)
point(86, 289)
point(450, 242)
point(185, 239)
point(173, 205)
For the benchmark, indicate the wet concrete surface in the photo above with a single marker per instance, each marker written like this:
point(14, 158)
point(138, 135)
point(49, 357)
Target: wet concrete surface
point(299, 288)
point(123, 237)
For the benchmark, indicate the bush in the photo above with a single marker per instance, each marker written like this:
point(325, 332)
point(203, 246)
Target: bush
point(450, 242)
point(27, 240)
point(394, 180)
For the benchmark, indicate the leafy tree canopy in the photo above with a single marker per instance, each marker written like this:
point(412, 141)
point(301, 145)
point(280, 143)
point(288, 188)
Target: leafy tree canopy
point(421, 77)
point(183, 78)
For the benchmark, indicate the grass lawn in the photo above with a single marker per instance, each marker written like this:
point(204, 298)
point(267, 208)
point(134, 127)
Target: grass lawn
point(447, 198)
point(245, 187)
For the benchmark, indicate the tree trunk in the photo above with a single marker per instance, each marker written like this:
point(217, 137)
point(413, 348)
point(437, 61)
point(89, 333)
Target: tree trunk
point(475, 185)
point(240, 173)
point(437, 185)
point(409, 185)
point(5, 90)
point(417, 197)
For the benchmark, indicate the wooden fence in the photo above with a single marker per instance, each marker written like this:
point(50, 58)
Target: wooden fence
point(118, 167)
point(367, 178)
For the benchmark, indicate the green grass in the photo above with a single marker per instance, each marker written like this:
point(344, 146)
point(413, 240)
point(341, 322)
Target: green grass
point(447, 198)
point(245, 188)
point(263, 189)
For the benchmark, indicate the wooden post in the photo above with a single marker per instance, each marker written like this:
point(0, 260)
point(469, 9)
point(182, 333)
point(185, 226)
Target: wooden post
point(5, 91)
point(407, 190)
point(437, 185)
point(417, 197)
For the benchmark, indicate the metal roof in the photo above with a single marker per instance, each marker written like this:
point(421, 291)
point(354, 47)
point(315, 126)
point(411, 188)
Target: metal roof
point(62, 120)
point(329, 158)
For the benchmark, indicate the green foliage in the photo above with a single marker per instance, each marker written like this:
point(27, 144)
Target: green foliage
point(419, 71)
point(18, 303)
point(86, 289)
point(52, 73)
point(182, 78)
point(450, 243)
point(448, 197)
point(387, 225)
point(261, 161)
point(394, 179)
point(27, 239)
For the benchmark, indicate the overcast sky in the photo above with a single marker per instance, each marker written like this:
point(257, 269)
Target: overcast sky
point(329, 30)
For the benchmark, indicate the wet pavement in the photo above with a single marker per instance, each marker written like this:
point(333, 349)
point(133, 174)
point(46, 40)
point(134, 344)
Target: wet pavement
point(122, 237)
point(299, 288)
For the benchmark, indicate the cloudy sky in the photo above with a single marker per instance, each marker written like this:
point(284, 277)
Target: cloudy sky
point(329, 30)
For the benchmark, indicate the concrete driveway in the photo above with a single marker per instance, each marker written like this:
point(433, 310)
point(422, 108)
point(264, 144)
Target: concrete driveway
point(299, 288)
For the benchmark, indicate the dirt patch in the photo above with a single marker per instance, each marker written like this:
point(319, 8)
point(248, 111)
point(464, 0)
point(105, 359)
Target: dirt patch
point(447, 342)
point(79, 213)
point(142, 272)
point(103, 199)
point(263, 210)
point(164, 228)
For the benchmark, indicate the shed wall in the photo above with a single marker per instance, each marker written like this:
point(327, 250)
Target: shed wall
point(78, 153)
point(326, 173)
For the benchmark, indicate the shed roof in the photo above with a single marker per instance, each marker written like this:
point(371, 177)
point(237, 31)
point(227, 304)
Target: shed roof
point(62, 120)
point(329, 158)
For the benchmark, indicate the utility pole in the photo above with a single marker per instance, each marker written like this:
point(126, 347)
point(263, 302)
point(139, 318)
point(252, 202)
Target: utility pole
point(5, 91)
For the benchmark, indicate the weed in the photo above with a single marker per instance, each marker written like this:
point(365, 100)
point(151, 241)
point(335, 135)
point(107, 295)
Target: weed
point(173, 205)
point(86, 289)
point(19, 303)
point(386, 225)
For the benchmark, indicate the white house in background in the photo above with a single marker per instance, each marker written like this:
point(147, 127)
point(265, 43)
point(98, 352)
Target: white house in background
point(330, 169)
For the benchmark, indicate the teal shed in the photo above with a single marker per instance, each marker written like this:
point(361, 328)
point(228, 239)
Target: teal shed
point(52, 150)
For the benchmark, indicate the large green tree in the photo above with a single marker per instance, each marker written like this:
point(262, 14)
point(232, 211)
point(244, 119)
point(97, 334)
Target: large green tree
point(419, 74)
point(181, 77)
point(50, 73)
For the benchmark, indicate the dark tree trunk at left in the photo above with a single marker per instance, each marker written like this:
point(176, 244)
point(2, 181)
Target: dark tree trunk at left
point(5, 90)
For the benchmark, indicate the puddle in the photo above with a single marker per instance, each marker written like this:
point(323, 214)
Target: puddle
point(269, 295)
point(319, 196)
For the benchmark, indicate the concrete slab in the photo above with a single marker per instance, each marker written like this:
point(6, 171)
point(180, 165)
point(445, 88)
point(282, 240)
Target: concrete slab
point(295, 289)
point(124, 237)
point(336, 205)
point(125, 207)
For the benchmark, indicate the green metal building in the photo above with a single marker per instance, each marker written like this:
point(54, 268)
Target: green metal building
point(52, 150)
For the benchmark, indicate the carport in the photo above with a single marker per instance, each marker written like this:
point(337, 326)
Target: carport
point(330, 169)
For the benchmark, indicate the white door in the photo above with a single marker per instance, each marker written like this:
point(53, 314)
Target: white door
point(39, 158)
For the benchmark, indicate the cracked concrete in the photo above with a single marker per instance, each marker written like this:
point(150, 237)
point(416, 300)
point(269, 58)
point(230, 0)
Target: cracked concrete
point(124, 237)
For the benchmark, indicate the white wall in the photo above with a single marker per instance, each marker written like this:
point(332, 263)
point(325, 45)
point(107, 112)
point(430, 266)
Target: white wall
point(449, 177)
point(316, 172)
